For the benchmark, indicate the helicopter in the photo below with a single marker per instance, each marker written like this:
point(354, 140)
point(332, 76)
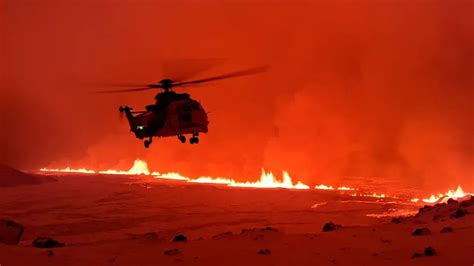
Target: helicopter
point(173, 114)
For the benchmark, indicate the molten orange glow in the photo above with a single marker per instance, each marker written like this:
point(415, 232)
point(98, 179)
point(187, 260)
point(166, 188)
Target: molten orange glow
point(267, 180)
point(139, 168)
point(68, 170)
point(170, 175)
point(211, 180)
point(369, 195)
point(345, 188)
point(324, 187)
point(451, 194)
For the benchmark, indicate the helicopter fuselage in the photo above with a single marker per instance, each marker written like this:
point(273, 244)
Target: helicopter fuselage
point(172, 115)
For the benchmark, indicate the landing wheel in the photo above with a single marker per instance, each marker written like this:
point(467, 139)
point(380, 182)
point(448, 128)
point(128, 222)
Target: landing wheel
point(147, 143)
point(194, 140)
point(182, 138)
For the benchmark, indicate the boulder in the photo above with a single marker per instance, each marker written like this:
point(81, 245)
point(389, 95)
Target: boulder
point(264, 252)
point(396, 220)
point(452, 201)
point(331, 227)
point(429, 251)
point(180, 238)
point(269, 229)
point(46, 242)
point(10, 232)
point(421, 232)
point(459, 213)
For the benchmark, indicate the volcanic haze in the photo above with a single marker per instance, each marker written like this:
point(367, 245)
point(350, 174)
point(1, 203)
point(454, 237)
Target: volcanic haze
point(356, 88)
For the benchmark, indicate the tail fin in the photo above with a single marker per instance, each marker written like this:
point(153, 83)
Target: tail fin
point(128, 114)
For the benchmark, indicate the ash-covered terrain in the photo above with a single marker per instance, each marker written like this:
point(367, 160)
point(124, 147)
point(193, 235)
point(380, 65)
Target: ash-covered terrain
point(138, 220)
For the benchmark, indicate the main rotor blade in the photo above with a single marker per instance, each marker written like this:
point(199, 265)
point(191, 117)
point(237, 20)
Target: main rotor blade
point(127, 90)
point(246, 72)
point(125, 85)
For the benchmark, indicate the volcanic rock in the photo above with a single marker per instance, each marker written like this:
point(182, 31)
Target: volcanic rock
point(438, 217)
point(429, 251)
point(46, 242)
point(396, 220)
point(459, 213)
point(331, 227)
point(10, 232)
point(264, 252)
point(424, 209)
point(172, 252)
point(452, 201)
point(446, 229)
point(465, 203)
point(421, 232)
point(10, 177)
point(180, 238)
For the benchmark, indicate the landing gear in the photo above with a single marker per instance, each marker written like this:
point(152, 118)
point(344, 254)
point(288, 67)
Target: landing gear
point(147, 142)
point(182, 138)
point(194, 139)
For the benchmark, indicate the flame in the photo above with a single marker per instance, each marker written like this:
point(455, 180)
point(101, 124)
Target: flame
point(170, 175)
point(369, 195)
point(345, 188)
point(267, 180)
point(459, 193)
point(211, 180)
point(324, 187)
point(451, 194)
point(139, 168)
point(431, 199)
point(69, 170)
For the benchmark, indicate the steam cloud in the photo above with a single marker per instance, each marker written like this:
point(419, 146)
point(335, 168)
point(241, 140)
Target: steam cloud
point(357, 88)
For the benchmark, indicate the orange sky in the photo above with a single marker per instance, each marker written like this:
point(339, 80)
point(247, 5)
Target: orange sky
point(370, 88)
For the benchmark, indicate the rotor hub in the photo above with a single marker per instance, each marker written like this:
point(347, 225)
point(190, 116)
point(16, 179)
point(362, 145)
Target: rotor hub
point(166, 84)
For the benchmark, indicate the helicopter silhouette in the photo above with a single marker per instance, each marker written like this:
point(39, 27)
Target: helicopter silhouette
point(173, 114)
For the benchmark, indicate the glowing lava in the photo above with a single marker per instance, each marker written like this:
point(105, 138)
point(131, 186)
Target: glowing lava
point(69, 170)
point(139, 168)
point(324, 187)
point(451, 194)
point(267, 180)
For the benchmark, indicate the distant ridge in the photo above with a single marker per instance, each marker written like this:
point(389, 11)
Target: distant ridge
point(10, 177)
